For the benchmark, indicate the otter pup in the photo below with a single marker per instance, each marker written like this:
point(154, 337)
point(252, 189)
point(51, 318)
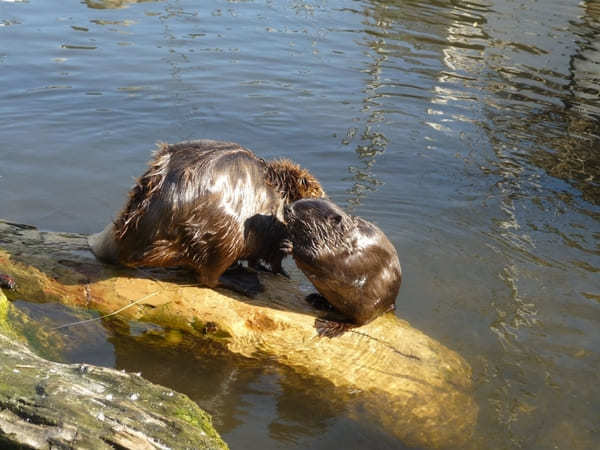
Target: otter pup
point(205, 205)
point(348, 259)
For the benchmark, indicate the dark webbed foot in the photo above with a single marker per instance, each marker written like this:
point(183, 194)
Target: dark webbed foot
point(7, 282)
point(333, 324)
point(331, 329)
point(319, 302)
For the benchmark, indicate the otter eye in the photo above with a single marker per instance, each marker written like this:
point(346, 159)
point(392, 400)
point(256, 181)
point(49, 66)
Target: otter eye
point(335, 219)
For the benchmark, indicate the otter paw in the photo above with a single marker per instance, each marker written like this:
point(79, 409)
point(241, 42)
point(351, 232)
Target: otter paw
point(286, 246)
point(331, 329)
point(7, 282)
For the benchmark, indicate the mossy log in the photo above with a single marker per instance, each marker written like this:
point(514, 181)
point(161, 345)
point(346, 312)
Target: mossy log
point(45, 404)
point(414, 386)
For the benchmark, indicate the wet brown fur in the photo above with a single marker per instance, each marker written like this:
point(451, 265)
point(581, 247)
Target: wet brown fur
point(349, 260)
point(205, 205)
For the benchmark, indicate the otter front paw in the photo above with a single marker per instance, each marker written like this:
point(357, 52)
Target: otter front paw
point(286, 246)
point(331, 329)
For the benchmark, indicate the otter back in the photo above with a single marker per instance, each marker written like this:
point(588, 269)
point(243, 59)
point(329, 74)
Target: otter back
point(349, 260)
point(205, 204)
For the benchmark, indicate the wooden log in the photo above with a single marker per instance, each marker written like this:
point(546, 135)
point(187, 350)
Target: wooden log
point(414, 386)
point(44, 405)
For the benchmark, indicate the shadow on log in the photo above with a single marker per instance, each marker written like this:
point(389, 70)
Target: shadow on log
point(417, 388)
point(45, 404)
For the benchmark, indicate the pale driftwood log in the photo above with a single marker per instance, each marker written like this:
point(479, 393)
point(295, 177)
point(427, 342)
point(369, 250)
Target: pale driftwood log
point(414, 386)
point(48, 405)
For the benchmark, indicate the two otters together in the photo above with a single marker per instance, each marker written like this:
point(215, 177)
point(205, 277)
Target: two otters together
point(206, 205)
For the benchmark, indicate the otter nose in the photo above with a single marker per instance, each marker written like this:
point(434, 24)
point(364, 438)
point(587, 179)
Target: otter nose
point(287, 212)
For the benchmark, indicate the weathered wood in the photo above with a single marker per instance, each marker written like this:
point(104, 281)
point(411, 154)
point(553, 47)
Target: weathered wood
point(416, 387)
point(46, 405)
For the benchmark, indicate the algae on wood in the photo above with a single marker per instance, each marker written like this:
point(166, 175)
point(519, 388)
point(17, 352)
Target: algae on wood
point(45, 405)
point(413, 385)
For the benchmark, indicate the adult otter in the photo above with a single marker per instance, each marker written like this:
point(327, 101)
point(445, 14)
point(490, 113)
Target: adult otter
point(348, 259)
point(205, 205)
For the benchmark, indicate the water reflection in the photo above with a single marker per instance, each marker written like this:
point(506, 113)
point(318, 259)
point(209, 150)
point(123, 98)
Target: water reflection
point(112, 4)
point(534, 118)
point(371, 140)
point(572, 154)
point(585, 62)
point(526, 109)
point(243, 395)
point(405, 45)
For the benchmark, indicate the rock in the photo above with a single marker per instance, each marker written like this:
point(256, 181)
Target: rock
point(44, 404)
point(411, 384)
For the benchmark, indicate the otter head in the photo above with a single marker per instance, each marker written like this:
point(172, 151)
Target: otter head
point(293, 181)
point(317, 225)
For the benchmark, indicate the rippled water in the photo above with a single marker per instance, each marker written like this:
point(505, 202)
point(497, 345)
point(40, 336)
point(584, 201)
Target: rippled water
point(468, 130)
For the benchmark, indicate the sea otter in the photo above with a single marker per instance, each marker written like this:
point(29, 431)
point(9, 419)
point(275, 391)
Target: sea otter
point(205, 205)
point(348, 259)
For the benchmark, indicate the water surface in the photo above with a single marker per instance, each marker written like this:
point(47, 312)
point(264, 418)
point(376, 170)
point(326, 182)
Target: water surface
point(468, 131)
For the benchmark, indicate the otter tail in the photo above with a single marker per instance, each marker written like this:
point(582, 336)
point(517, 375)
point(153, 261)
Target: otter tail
point(104, 245)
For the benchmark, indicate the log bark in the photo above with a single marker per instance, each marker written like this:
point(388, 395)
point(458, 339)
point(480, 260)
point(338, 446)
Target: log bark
point(46, 405)
point(414, 386)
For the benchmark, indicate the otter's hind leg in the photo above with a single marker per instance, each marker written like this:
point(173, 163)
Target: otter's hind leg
point(234, 278)
point(218, 269)
point(228, 275)
point(214, 246)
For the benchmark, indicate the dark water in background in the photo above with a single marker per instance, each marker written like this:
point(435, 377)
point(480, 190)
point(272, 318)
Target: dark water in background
point(468, 131)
